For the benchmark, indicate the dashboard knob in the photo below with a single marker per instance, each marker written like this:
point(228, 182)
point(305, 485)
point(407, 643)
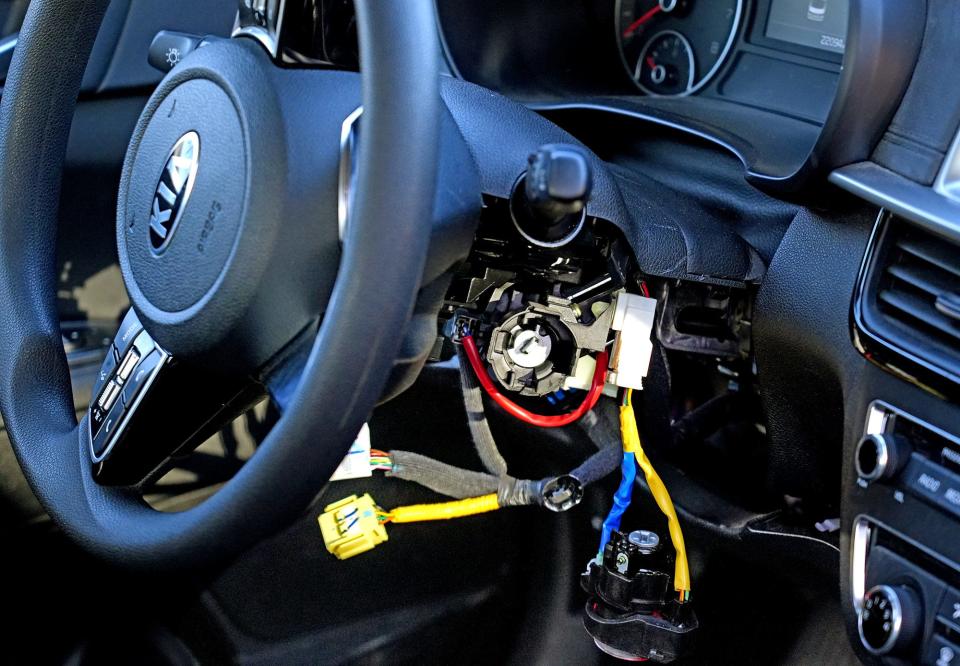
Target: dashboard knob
point(890, 619)
point(881, 456)
point(548, 202)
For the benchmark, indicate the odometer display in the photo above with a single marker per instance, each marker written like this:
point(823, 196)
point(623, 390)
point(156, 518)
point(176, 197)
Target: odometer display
point(674, 47)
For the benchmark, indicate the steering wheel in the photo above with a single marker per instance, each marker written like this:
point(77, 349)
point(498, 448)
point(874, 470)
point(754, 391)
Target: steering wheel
point(228, 238)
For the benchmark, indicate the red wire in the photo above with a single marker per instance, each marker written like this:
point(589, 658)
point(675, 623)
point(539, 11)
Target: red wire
point(596, 388)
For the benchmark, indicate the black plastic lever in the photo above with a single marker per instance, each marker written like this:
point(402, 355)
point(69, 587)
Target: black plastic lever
point(169, 47)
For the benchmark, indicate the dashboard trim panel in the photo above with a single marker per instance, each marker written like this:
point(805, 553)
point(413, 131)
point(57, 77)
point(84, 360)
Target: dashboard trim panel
point(882, 47)
point(859, 550)
point(910, 200)
point(646, 117)
point(948, 180)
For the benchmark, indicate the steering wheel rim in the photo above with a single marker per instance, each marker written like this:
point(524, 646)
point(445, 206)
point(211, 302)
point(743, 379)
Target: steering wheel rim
point(397, 161)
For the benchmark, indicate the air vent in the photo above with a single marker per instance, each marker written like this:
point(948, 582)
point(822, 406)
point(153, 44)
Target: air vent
point(911, 295)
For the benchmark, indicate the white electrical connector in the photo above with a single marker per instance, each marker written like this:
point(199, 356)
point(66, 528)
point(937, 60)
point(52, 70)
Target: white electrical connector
point(356, 464)
point(582, 377)
point(633, 320)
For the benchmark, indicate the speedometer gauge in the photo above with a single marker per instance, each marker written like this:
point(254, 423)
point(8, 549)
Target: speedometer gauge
point(674, 47)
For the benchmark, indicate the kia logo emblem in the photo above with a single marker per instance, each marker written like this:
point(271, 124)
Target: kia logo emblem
point(173, 190)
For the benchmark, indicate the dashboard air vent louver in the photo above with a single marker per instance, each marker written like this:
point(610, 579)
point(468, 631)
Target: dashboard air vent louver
point(912, 295)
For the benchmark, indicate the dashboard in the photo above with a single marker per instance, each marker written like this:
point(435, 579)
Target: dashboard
point(774, 82)
point(802, 90)
point(791, 88)
point(655, 48)
point(795, 90)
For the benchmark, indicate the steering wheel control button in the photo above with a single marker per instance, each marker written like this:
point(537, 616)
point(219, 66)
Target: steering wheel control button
point(105, 374)
point(890, 619)
point(127, 365)
point(97, 417)
point(108, 429)
point(117, 381)
point(880, 456)
point(144, 344)
point(109, 396)
point(130, 327)
point(140, 375)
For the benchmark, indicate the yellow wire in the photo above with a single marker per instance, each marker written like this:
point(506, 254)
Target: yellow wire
point(631, 443)
point(444, 510)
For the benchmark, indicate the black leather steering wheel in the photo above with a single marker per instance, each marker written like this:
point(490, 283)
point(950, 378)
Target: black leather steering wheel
point(252, 265)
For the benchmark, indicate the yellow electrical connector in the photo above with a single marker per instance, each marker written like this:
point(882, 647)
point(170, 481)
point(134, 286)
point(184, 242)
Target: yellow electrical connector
point(352, 526)
point(355, 525)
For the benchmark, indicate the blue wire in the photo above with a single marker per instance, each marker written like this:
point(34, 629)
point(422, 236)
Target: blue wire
point(621, 500)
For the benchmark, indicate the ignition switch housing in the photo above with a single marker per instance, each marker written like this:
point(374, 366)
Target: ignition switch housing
point(633, 612)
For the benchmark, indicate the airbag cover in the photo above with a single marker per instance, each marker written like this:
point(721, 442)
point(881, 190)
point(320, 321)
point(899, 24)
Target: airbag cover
point(201, 243)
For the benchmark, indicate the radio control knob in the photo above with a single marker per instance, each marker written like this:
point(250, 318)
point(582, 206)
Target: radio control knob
point(890, 619)
point(881, 456)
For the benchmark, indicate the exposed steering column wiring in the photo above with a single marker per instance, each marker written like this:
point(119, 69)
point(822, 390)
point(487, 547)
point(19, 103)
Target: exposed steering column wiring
point(633, 449)
point(512, 408)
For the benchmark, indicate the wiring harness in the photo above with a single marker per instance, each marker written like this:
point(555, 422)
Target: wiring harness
point(632, 613)
point(596, 389)
point(634, 455)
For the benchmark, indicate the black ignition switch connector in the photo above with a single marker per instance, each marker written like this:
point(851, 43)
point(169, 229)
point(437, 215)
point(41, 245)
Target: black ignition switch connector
point(633, 612)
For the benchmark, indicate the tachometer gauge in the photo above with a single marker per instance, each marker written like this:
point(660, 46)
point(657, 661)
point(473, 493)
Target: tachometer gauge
point(665, 65)
point(674, 47)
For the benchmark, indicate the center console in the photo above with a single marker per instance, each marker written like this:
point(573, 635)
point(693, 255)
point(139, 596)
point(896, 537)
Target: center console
point(904, 575)
point(902, 473)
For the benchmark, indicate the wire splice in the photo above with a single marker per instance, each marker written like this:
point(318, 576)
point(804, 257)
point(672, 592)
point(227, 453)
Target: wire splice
point(621, 500)
point(593, 395)
point(631, 443)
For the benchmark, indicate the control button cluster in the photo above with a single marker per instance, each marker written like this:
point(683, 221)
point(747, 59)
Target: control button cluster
point(933, 483)
point(941, 652)
point(131, 361)
point(949, 611)
point(143, 371)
